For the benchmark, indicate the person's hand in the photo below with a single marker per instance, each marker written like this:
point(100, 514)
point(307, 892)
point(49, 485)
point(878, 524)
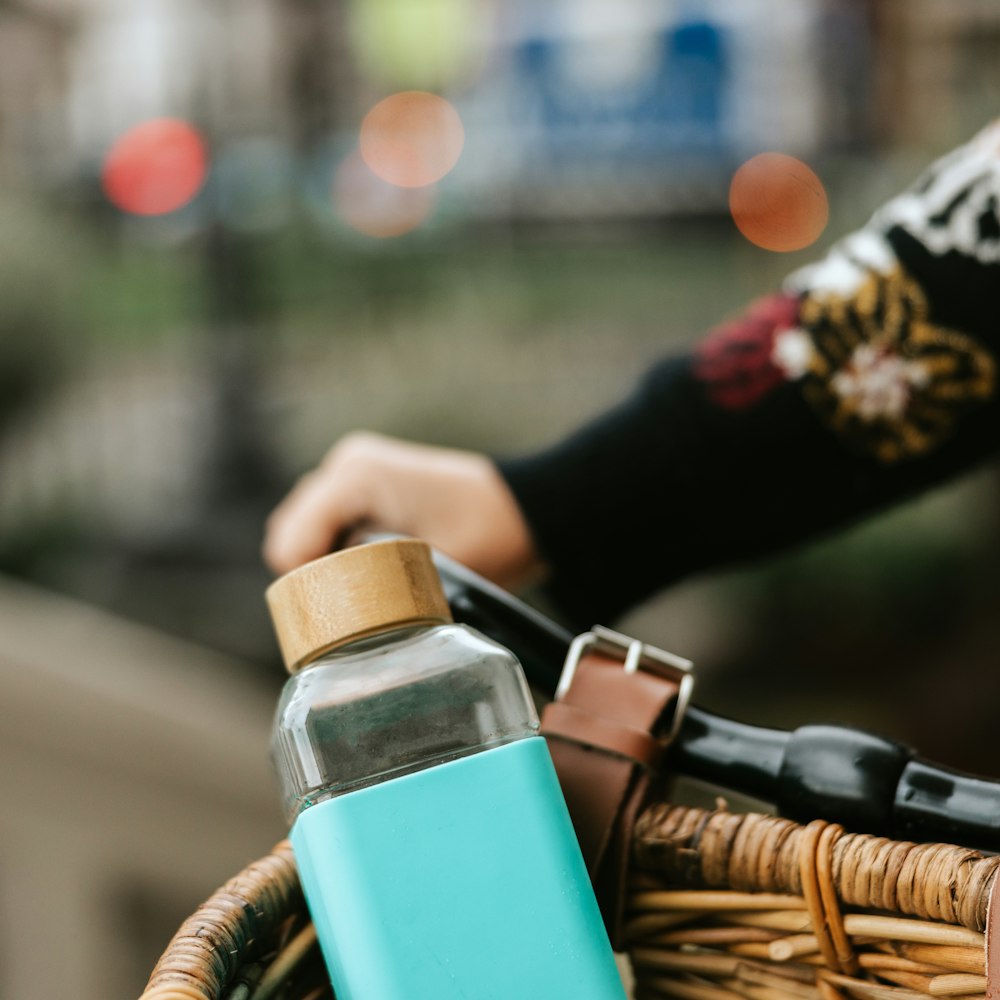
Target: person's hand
point(456, 501)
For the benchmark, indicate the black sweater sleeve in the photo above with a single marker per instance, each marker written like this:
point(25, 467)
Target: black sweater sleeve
point(870, 377)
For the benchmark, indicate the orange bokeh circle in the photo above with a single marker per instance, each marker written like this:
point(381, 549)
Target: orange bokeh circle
point(375, 207)
point(778, 203)
point(411, 139)
point(156, 167)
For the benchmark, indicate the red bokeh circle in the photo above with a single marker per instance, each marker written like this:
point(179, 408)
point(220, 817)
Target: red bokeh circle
point(156, 167)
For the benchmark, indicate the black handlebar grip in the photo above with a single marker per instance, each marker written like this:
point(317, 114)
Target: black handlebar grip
point(934, 803)
point(842, 774)
point(734, 755)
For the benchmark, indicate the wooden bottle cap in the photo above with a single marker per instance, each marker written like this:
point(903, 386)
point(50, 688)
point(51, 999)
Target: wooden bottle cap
point(352, 594)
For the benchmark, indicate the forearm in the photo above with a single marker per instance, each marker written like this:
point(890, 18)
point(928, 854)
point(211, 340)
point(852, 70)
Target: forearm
point(870, 378)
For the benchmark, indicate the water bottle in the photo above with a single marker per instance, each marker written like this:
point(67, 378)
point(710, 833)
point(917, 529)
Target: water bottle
point(433, 843)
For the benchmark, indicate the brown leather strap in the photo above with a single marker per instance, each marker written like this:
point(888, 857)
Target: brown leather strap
point(572, 723)
point(601, 737)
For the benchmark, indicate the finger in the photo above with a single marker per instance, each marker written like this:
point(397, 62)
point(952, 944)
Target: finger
point(309, 520)
point(303, 528)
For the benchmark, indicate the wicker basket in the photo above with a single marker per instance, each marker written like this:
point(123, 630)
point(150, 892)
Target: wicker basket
point(723, 906)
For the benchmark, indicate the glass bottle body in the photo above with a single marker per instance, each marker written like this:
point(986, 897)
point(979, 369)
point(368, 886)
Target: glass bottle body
point(394, 703)
point(433, 843)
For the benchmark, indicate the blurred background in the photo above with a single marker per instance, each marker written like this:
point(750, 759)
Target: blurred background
point(208, 273)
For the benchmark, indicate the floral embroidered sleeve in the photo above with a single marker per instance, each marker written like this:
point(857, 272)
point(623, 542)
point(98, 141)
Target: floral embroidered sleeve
point(869, 377)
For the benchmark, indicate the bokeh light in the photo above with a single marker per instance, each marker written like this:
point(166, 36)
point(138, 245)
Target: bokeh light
point(412, 139)
point(778, 203)
point(420, 44)
point(156, 167)
point(374, 206)
point(252, 184)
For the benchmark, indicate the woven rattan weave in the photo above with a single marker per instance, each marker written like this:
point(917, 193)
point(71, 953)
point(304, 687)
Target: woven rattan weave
point(723, 906)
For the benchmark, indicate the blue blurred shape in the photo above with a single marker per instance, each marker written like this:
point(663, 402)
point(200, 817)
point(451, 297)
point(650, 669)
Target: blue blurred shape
point(696, 74)
point(669, 98)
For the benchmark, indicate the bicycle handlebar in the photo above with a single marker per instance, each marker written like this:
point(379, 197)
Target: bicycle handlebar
point(868, 783)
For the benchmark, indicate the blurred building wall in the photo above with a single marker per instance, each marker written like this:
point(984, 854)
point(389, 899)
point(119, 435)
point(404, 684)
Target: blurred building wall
point(135, 778)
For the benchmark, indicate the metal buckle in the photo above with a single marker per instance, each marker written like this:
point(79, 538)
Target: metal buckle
point(637, 656)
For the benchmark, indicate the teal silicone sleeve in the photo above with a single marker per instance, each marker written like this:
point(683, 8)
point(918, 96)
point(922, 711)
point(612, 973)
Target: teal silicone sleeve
point(463, 881)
